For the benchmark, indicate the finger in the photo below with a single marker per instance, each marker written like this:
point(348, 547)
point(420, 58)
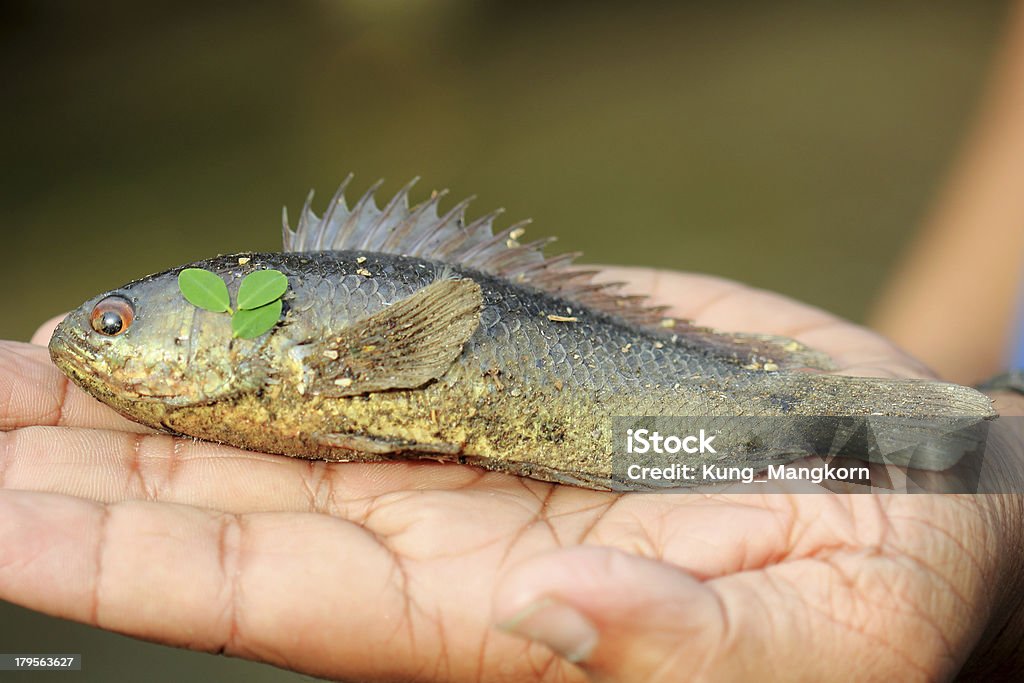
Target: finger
point(45, 331)
point(110, 466)
point(686, 529)
point(306, 592)
point(617, 616)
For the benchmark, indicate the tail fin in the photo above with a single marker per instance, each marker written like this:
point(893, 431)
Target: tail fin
point(908, 422)
point(841, 395)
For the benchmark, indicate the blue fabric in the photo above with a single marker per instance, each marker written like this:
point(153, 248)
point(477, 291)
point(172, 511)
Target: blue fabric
point(1017, 351)
point(1017, 343)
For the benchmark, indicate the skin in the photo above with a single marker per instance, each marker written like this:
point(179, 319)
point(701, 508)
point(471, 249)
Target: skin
point(393, 571)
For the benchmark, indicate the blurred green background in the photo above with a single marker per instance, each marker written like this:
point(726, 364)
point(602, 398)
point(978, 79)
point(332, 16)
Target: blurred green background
point(791, 145)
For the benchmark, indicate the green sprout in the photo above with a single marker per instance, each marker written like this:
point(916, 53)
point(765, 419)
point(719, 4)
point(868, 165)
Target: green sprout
point(259, 298)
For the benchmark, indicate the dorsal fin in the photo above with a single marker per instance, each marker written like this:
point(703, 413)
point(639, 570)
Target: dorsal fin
point(423, 232)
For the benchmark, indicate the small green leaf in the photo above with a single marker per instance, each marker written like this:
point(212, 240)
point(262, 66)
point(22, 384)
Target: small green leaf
point(260, 288)
point(204, 289)
point(252, 323)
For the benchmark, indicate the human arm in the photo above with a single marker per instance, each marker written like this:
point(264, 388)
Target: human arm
point(952, 298)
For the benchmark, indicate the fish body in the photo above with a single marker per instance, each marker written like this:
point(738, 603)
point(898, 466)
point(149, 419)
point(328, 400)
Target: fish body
point(409, 334)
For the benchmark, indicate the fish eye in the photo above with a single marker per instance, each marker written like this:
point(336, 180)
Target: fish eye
point(112, 316)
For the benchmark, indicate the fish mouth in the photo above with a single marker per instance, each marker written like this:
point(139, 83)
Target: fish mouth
point(70, 353)
point(70, 348)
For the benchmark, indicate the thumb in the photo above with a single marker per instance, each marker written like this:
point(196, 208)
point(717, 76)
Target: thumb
point(617, 616)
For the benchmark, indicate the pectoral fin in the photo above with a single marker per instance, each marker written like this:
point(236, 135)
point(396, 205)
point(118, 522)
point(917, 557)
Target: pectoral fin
point(404, 346)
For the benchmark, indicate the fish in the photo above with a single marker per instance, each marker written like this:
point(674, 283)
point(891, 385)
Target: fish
point(407, 332)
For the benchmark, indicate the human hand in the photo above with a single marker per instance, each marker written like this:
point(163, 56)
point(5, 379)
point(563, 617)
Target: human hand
point(401, 570)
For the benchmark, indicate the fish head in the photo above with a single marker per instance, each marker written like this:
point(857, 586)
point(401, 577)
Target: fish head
point(142, 348)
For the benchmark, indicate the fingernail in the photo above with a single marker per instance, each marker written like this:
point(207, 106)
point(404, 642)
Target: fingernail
point(556, 625)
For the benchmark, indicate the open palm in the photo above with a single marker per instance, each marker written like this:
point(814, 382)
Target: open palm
point(401, 570)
